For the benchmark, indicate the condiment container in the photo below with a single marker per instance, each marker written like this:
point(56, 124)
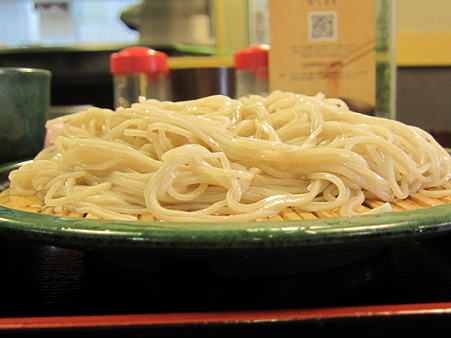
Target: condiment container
point(139, 71)
point(251, 70)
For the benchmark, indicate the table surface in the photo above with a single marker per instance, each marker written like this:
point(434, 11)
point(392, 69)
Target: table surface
point(46, 288)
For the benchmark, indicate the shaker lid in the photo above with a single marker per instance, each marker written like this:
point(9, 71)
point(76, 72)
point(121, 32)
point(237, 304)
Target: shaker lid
point(252, 57)
point(137, 60)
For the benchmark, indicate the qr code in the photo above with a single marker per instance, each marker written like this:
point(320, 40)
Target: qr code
point(323, 26)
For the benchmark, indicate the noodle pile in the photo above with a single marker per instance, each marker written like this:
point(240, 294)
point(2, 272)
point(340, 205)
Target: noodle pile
point(220, 159)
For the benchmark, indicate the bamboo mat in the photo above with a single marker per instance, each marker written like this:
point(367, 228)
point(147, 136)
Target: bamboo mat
point(417, 201)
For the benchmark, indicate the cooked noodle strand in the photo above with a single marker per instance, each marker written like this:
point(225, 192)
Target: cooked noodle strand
point(220, 159)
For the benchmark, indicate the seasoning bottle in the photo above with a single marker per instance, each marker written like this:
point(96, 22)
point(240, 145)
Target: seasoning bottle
point(139, 71)
point(251, 70)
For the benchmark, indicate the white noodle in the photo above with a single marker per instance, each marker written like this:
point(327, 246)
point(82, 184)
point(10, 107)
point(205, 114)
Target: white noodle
point(219, 159)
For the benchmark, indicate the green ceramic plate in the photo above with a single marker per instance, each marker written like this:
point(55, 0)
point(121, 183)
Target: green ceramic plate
point(230, 249)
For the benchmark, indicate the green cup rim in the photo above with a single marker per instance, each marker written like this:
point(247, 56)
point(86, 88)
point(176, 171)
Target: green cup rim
point(21, 70)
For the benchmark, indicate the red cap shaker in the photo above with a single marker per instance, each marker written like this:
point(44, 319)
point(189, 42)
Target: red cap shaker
point(251, 70)
point(139, 71)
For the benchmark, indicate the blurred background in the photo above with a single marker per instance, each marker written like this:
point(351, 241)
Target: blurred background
point(75, 38)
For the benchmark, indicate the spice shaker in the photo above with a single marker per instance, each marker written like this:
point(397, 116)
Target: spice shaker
point(251, 70)
point(139, 71)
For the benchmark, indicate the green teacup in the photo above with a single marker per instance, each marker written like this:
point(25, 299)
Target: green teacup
point(24, 104)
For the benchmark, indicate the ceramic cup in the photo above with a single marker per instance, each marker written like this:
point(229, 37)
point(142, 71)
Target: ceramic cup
point(24, 105)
